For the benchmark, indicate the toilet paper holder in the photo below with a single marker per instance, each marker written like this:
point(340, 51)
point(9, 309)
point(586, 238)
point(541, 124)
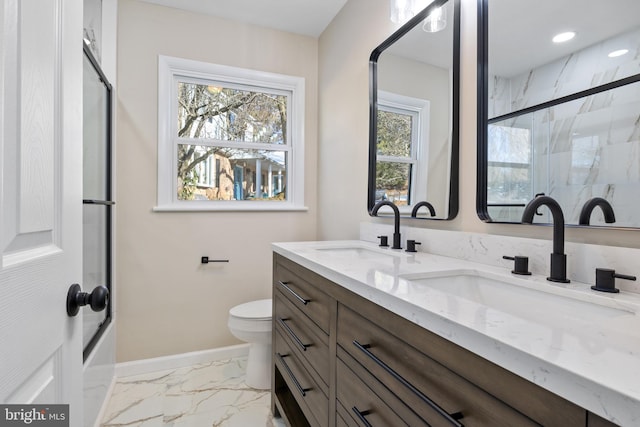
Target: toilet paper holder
point(206, 260)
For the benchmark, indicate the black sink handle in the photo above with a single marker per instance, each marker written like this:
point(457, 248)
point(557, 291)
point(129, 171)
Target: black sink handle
point(606, 280)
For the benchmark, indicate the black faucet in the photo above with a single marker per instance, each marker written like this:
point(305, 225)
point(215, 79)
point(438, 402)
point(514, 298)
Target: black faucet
point(607, 210)
point(414, 211)
point(558, 257)
point(396, 222)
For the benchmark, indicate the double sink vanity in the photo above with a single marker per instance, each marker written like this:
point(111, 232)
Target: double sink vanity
point(368, 336)
point(448, 336)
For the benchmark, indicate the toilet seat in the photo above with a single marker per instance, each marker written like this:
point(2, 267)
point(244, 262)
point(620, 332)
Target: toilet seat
point(254, 310)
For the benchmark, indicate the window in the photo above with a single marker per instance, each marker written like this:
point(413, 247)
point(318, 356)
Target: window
point(403, 138)
point(509, 173)
point(228, 138)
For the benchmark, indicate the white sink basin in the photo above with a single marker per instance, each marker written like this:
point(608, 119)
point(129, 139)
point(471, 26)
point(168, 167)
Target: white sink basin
point(521, 298)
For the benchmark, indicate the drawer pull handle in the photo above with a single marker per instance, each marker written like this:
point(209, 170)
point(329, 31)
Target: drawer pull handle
point(292, 292)
point(303, 391)
point(361, 416)
point(293, 335)
point(452, 418)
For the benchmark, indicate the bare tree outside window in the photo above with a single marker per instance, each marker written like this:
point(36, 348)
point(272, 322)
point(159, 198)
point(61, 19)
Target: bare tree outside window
point(230, 143)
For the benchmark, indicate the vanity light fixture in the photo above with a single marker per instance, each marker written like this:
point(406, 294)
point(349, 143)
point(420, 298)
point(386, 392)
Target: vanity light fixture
point(563, 37)
point(403, 10)
point(617, 53)
point(436, 21)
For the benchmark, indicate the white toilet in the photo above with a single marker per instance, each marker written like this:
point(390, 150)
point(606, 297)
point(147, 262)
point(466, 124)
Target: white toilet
point(251, 322)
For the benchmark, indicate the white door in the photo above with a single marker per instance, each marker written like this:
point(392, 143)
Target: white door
point(40, 201)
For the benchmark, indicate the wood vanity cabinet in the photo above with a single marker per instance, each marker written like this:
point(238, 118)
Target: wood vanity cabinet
point(341, 360)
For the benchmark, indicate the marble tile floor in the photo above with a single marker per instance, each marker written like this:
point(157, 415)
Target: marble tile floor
point(204, 395)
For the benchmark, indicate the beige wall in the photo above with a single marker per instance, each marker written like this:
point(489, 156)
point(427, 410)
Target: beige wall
point(167, 302)
point(344, 50)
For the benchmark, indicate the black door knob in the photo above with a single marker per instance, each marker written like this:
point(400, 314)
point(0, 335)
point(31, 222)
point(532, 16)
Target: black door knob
point(97, 299)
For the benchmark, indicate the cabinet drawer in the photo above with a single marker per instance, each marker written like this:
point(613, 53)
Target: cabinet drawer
point(304, 295)
point(525, 397)
point(303, 336)
point(429, 388)
point(360, 403)
point(310, 397)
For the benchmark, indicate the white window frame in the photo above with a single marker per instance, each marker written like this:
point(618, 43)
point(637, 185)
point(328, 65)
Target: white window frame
point(171, 70)
point(418, 109)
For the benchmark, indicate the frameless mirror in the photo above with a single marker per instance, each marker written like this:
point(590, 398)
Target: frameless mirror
point(559, 109)
point(413, 133)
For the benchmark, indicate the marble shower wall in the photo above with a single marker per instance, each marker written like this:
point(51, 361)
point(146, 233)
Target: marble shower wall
point(581, 70)
point(585, 148)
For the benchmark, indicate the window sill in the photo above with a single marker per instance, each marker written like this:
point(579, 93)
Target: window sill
point(194, 206)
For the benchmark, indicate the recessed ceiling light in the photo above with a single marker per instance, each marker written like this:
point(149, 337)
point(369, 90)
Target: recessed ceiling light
point(618, 53)
point(563, 37)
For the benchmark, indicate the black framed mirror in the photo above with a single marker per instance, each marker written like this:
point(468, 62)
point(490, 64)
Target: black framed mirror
point(414, 81)
point(559, 109)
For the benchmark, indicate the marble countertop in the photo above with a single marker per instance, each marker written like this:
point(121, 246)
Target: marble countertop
point(580, 344)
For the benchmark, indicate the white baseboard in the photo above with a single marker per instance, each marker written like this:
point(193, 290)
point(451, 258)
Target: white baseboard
point(176, 361)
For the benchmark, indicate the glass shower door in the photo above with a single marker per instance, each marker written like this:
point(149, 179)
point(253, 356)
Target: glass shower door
point(97, 198)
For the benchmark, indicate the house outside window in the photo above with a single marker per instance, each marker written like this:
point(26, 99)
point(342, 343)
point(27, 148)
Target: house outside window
point(229, 138)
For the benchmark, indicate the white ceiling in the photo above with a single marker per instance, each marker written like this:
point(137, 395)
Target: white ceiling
point(522, 38)
point(520, 31)
point(308, 17)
